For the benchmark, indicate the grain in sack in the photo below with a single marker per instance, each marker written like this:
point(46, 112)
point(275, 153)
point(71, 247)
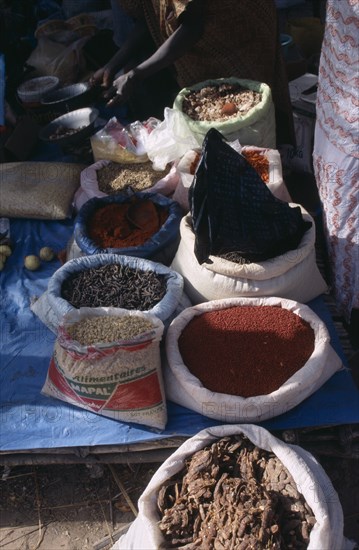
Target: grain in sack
point(259, 397)
point(108, 361)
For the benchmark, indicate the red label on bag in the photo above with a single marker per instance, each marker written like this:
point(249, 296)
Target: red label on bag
point(138, 394)
point(59, 381)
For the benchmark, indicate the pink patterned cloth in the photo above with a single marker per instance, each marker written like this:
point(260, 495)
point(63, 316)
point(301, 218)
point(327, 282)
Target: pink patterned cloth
point(336, 148)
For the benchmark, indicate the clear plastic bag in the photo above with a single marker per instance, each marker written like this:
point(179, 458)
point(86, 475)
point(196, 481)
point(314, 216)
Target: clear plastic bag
point(170, 140)
point(123, 144)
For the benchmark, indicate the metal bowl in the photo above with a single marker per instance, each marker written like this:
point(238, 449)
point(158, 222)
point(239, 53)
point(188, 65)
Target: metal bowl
point(82, 120)
point(32, 91)
point(68, 98)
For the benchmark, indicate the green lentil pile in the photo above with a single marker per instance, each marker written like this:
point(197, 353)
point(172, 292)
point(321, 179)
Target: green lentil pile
point(108, 329)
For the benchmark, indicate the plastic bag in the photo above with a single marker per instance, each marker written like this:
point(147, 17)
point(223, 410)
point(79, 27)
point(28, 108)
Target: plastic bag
point(293, 275)
point(186, 168)
point(51, 307)
point(90, 188)
point(257, 127)
point(299, 158)
point(233, 210)
point(311, 480)
point(187, 390)
point(167, 235)
point(123, 144)
point(170, 140)
point(273, 177)
point(66, 61)
point(121, 380)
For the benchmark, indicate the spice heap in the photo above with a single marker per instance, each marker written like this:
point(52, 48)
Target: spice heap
point(114, 285)
point(115, 177)
point(108, 329)
point(233, 494)
point(121, 225)
point(220, 102)
point(246, 350)
point(259, 162)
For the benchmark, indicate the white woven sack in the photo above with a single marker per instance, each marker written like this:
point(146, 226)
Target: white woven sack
point(312, 482)
point(51, 307)
point(293, 275)
point(89, 184)
point(184, 388)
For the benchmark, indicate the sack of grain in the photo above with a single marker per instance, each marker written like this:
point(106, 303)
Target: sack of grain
point(108, 361)
point(299, 362)
point(306, 483)
point(161, 298)
point(293, 275)
point(161, 245)
point(39, 190)
point(255, 127)
point(107, 178)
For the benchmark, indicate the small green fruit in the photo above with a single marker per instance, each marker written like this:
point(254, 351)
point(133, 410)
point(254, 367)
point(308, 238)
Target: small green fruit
point(47, 254)
point(32, 262)
point(2, 265)
point(3, 257)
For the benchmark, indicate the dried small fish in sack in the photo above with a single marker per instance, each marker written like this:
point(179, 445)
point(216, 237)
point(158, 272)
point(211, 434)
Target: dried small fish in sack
point(232, 494)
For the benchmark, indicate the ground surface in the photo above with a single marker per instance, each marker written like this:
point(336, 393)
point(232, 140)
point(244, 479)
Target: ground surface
point(74, 507)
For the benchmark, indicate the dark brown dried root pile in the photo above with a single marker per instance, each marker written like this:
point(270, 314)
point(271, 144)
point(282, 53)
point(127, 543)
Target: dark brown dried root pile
point(233, 495)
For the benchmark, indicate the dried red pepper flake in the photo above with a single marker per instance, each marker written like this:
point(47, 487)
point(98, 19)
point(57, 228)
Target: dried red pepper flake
point(246, 350)
point(259, 162)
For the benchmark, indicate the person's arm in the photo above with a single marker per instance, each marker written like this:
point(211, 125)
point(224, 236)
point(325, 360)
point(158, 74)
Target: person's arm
point(182, 40)
point(138, 36)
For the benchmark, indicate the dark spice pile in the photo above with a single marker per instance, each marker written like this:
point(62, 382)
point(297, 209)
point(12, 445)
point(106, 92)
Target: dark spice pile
point(233, 495)
point(220, 102)
point(246, 350)
point(126, 224)
point(114, 285)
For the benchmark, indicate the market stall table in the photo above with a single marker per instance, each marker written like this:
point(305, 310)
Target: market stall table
point(39, 429)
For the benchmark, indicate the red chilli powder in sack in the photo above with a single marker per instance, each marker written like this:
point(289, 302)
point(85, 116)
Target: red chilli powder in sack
point(246, 350)
point(110, 226)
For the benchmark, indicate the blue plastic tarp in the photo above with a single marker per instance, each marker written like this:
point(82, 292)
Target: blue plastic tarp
point(29, 420)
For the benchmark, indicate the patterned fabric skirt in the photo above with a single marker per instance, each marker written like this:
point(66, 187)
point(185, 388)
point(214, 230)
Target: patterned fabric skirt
point(337, 176)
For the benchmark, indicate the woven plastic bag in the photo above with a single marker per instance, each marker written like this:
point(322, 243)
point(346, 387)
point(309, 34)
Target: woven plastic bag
point(233, 210)
point(166, 238)
point(311, 480)
point(121, 380)
point(51, 307)
point(257, 127)
point(187, 390)
point(293, 275)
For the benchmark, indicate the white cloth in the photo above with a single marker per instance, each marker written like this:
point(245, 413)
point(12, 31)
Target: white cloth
point(336, 150)
point(337, 178)
point(338, 83)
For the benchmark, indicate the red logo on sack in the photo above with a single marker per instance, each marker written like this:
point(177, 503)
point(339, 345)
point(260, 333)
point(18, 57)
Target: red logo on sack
point(139, 394)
